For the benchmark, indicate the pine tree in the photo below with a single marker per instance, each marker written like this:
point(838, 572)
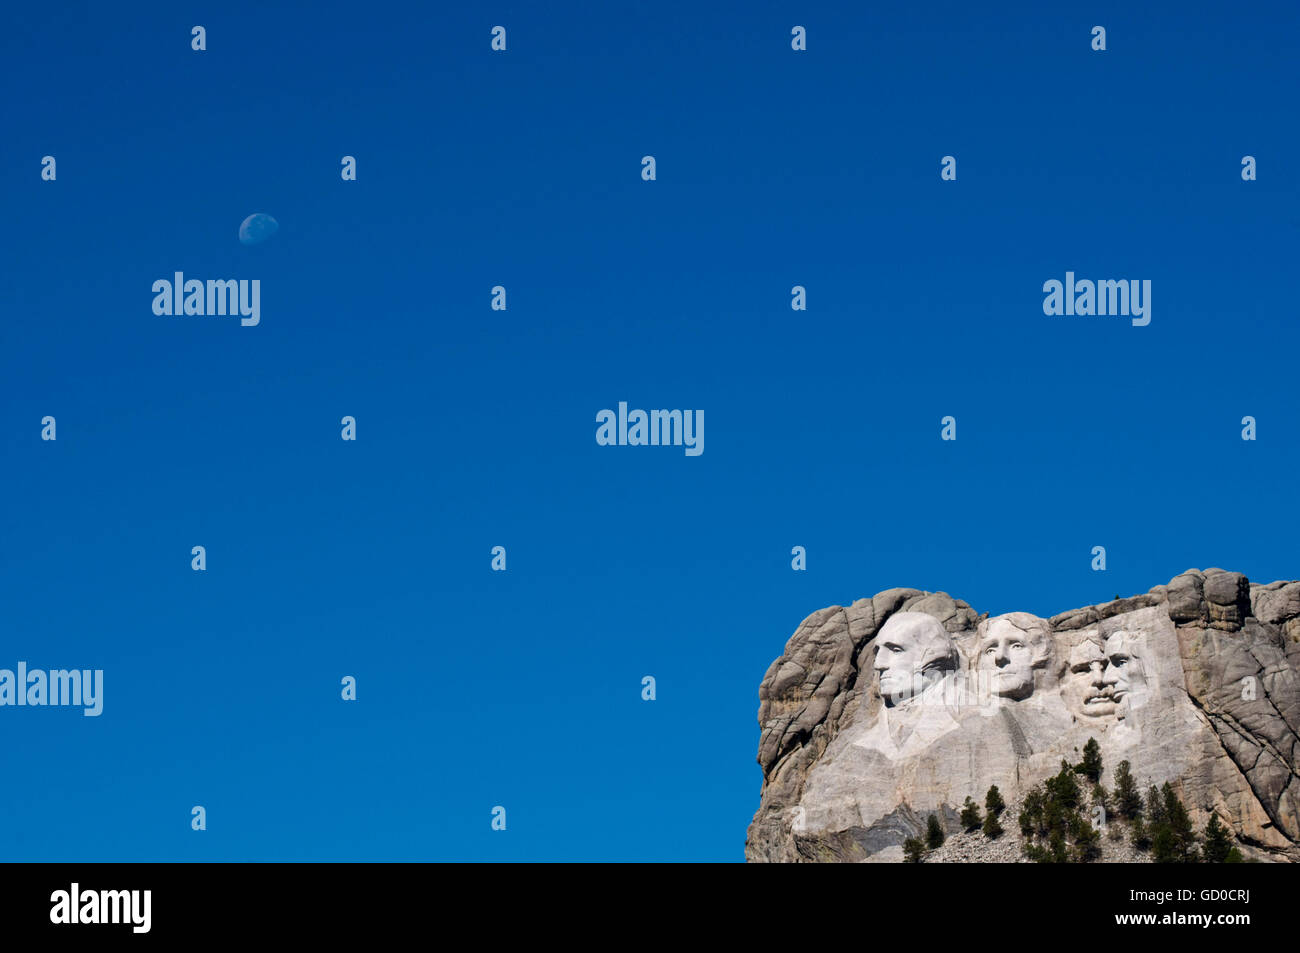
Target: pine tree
point(1087, 845)
point(1054, 817)
point(1218, 842)
point(1155, 807)
point(1063, 788)
point(933, 833)
point(1101, 799)
point(912, 850)
point(992, 826)
point(1128, 802)
point(1180, 827)
point(1164, 849)
point(1058, 850)
point(993, 802)
point(1140, 838)
point(1031, 812)
point(1090, 766)
point(970, 815)
point(1026, 823)
point(1038, 854)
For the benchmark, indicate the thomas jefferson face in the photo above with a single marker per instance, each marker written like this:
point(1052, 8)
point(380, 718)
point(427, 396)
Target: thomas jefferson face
point(1086, 689)
point(1125, 675)
point(1008, 655)
point(913, 651)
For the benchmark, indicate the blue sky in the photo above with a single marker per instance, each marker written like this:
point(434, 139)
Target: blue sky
point(476, 427)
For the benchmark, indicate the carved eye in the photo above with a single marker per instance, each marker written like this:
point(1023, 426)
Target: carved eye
point(1017, 645)
point(1119, 661)
point(991, 650)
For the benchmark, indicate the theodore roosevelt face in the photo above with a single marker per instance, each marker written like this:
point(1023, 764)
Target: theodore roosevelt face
point(1086, 689)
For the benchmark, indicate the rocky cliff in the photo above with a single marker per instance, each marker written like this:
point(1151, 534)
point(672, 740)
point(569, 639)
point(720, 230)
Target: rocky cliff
point(880, 713)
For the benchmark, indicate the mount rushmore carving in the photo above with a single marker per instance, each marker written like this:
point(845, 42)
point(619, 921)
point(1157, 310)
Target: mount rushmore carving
point(883, 712)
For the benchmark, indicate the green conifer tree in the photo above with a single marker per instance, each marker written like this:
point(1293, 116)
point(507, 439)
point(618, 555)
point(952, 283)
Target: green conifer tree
point(1180, 827)
point(993, 801)
point(1059, 852)
point(933, 833)
point(1128, 801)
point(1155, 807)
point(1031, 812)
point(913, 849)
point(1090, 766)
point(992, 826)
point(1218, 842)
point(1064, 788)
point(1101, 799)
point(1140, 837)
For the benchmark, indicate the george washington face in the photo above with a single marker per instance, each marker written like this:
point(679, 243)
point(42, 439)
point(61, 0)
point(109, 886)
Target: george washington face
point(913, 652)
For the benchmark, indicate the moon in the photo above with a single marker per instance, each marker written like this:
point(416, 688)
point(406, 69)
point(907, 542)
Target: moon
point(257, 228)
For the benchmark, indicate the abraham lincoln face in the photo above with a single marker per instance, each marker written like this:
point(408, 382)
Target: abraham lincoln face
point(1125, 673)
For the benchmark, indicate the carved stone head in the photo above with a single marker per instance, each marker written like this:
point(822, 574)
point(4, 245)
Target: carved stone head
point(913, 652)
point(1125, 673)
point(1010, 651)
point(1086, 691)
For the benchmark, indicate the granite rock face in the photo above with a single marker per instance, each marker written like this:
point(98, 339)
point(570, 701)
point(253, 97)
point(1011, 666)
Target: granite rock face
point(880, 713)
